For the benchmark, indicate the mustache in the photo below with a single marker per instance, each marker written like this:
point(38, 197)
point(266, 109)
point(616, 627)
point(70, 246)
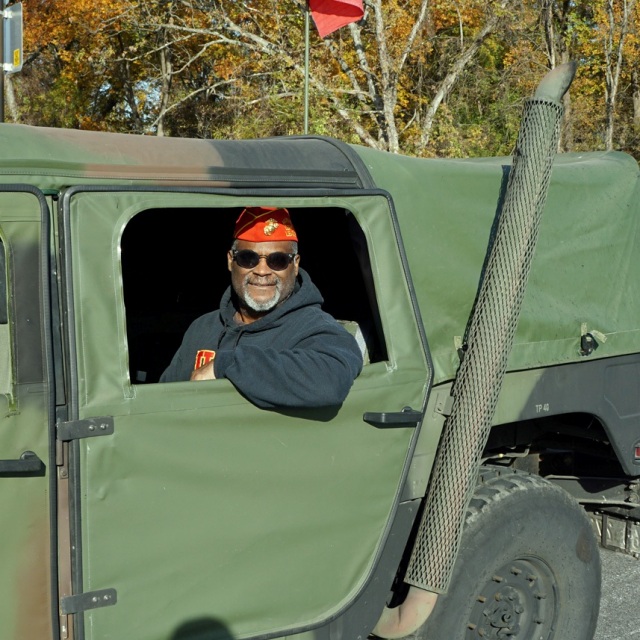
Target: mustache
point(261, 280)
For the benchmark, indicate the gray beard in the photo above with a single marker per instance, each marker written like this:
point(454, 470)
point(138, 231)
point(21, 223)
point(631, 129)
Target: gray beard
point(267, 305)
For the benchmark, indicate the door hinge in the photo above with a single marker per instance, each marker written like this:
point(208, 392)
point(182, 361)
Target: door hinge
point(88, 428)
point(90, 600)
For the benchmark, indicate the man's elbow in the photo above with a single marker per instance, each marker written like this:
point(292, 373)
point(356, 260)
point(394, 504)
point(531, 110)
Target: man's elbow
point(335, 388)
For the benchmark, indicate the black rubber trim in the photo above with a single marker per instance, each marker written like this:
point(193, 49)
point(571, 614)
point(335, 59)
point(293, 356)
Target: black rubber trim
point(50, 379)
point(75, 498)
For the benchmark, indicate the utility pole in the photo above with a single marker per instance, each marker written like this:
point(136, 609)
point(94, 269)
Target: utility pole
point(4, 4)
point(306, 68)
point(11, 43)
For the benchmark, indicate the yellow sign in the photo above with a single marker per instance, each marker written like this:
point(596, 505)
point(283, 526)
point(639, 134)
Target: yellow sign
point(16, 57)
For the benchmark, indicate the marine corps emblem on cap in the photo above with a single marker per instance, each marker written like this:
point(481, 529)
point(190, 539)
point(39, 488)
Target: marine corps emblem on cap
point(263, 224)
point(270, 226)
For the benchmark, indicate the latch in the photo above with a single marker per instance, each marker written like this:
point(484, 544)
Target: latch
point(88, 428)
point(590, 340)
point(444, 404)
point(86, 601)
point(27, 464)
point(636, 453)
point(588, 344)
point(408, 417)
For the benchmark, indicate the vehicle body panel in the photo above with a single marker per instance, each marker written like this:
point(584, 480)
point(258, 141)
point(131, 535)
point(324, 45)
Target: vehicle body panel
point(268, 520)
point(25, 553)
point(204, 512)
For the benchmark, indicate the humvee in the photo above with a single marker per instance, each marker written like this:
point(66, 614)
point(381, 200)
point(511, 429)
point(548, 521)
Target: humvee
point(135, 510)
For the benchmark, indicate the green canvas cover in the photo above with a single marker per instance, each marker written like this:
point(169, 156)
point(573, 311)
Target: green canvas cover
point(57, 158)
point(582, 274)
point(584, 271)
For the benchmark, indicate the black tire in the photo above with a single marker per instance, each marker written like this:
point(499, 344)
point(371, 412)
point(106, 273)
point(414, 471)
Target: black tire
point(528, 567)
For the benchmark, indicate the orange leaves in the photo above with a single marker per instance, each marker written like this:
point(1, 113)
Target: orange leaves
point(62, 22)
point(466, 14)
point(234, 68)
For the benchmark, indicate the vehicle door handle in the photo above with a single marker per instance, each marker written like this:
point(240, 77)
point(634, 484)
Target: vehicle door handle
point(27, 464)
point(408, 417)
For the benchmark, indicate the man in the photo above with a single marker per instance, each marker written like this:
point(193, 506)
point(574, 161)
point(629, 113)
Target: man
point(270, 337)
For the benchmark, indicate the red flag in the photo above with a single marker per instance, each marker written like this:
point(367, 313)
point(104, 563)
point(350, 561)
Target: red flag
point(330, 15)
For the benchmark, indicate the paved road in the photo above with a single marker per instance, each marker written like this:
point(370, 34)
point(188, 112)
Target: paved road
point(619, 610)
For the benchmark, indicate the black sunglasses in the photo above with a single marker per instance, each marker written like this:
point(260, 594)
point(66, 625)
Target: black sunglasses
point(248, 259)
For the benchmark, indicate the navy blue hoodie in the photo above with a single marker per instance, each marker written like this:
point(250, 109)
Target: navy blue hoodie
point(294, 356)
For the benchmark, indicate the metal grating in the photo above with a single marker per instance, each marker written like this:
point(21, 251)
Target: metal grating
point(489, 340)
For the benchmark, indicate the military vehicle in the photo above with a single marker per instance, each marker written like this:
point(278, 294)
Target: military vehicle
point(490, 443)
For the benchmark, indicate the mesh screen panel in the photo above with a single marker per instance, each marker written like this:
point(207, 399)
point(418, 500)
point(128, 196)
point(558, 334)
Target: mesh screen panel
point(489, 340)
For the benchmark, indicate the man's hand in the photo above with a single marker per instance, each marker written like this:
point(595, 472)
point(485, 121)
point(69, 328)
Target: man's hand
point(204, 373)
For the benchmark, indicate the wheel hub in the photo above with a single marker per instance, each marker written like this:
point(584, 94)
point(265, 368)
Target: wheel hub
point(504, 613)
point(519, 601)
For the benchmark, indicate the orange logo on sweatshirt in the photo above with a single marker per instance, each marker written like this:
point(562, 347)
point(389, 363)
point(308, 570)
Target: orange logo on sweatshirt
point(204, 356)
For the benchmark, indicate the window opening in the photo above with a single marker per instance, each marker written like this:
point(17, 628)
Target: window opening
point(174, 269)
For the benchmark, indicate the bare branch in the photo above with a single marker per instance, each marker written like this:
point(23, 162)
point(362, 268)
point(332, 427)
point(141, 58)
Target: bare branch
point(456, 70)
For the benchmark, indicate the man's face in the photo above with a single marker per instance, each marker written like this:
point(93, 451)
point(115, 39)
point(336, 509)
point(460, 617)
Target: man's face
point(262, 288)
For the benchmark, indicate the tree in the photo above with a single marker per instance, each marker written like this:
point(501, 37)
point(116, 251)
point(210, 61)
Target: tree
point(616, 28)
point(364, 77)
point(414, 76)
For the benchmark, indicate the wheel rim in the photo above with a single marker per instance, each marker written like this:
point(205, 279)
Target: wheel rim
point(518, 601)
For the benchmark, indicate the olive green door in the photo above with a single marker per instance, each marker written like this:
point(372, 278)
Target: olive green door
point(25, 578)
point(199, 510)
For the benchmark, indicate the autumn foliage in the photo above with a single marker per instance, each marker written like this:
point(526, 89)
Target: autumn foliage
point(426, 78)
